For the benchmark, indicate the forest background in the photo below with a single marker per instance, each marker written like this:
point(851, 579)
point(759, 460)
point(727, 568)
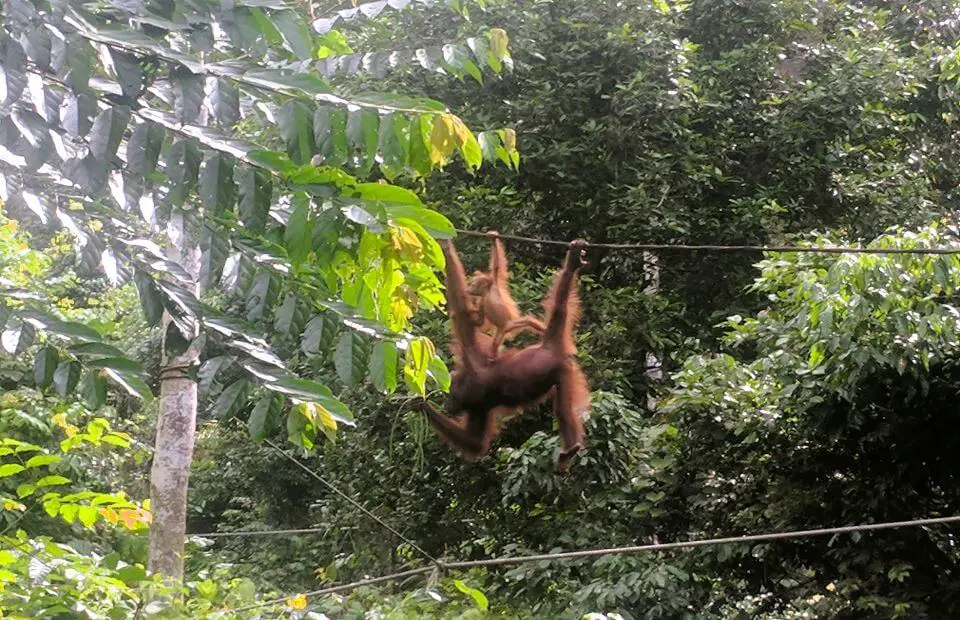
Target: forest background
point(734, 393)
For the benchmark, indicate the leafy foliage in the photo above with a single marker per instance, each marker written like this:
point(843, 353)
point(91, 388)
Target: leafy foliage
point(839, 415)
point(122, 119)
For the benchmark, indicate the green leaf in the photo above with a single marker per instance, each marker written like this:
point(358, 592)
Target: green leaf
point(25, 490)
point(295, 121)
point(274, 161)
point(10, 469)
point(259, 297)
point(266, 27)
point(131, 575)
point(283, 320)
point(348, 358)
point(69, 512)
point(133, 384)
point(107, 132)
point(143, 149)
point(217, 189)
point(183, 167)
point(214, 248)
point(37, 44)
point(478, 597)
point(120, 364)
point(64, 329)
point(12, 64)
point(311, 391)
point(230, 398)
point(93, 388)
point(76, 115)
point(225, 99)
point(128, 70)
point(188, 92)
point(394, 144)
point(298, 235)
point(44, 365)
point(41, 460)
point(150, 299)
point(208, 372)
point(257, 424)
point(296, 35)
point(419, 353)
point(255, 193)
point(300, 430)
point(313, 335)
point(383, 366)
point(65, 377)
point(434, 224)
point(329, 132)
point(363, 135)
point(816, 355)
point(437, 371)
point(392, 196)
point(87, 516)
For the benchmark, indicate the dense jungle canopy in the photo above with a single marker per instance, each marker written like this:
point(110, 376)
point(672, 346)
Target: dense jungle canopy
point(220, 259)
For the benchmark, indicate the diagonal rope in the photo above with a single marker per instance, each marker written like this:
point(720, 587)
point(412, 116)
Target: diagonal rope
point(654, 547)
point(354, 502)
point(652, 247)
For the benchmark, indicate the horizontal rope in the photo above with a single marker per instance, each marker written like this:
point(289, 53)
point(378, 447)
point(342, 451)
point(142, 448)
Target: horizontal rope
point(587, 553)
point(656, 247)
point(243, 533)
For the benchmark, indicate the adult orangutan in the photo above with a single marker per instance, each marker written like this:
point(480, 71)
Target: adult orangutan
point(484, 389)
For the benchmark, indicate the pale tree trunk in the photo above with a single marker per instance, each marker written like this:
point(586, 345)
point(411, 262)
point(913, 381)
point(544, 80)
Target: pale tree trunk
point(176, 426)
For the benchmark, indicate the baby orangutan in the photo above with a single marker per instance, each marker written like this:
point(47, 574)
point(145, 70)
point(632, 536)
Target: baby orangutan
point(492, 308)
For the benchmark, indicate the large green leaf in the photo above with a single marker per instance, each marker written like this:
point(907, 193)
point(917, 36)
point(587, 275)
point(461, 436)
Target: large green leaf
point(295, 121)
point(225, 101)
point(329, 127)
point(189, 95)
point(143, 148)
point(217, 188)
point(107, 131)
point(230, 398)
point(383, 366)
point(311, 391)
point(255, 193)
point(259, 417)
point(65, 377)
point(150, 300)
point(76, 115)
point(298, 234)
point(120, 364)
point(93, 388)
point(350, 358)
point(296, 35)
point(182, 167)
point(44, 366)
point(214, 248)
point(65, 329)
point(129, 381)
point(363, 135)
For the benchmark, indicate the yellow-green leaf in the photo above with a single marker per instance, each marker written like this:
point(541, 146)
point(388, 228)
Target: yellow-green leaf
point(10, 469)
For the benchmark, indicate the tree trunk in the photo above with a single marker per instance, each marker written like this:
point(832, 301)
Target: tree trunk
point(176, 426)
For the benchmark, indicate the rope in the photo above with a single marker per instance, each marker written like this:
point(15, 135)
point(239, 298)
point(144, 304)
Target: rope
point(241, 533)
point(355, 503)
point(722, 248)
point(587, 553)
